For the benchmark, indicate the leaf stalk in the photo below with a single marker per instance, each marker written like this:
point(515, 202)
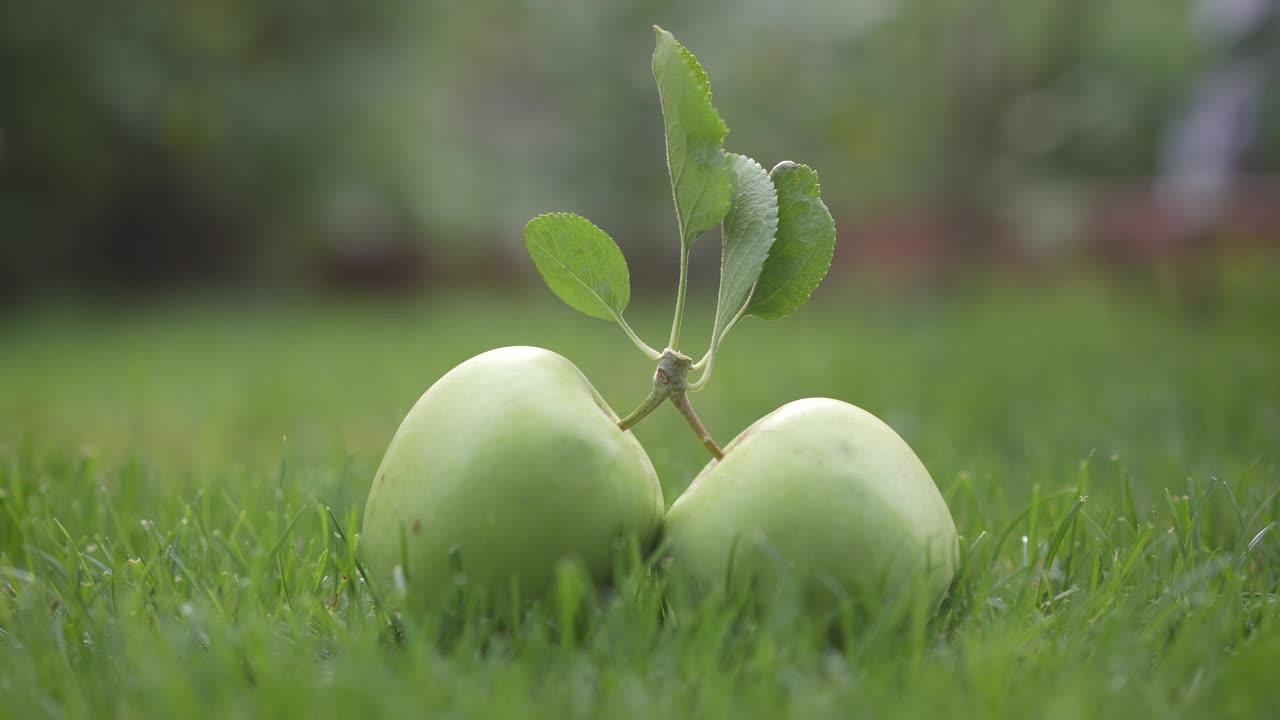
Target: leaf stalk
point(678, 320)
point(645, 348)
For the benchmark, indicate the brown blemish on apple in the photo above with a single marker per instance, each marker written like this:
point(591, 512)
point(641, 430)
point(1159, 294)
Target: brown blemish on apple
point(417, 526)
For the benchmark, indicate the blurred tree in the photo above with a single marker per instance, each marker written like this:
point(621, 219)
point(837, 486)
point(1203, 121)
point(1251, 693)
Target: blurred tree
point(157, 142)
point(167, 143)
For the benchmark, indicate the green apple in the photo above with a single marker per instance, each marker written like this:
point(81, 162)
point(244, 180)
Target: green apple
point(507, 465)
point(822, 491)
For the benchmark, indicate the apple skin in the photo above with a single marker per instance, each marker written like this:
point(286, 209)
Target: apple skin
point(514, 460)
point(822, 489)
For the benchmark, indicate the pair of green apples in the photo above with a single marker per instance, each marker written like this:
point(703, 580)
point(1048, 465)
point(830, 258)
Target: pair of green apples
point(513, 462)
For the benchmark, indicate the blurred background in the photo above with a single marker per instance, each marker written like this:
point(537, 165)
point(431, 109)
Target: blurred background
point(397, 144)
point(240, 238)
point(228, 222)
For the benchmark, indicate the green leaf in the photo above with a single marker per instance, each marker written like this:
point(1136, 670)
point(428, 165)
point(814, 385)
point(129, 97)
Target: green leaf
point(749, 230)
point(580, 263)
point(801, 256)
point(700, 175)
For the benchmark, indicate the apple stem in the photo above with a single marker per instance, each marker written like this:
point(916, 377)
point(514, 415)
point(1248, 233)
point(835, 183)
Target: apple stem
point(648, 405)
point(681, 401)
point(670, 381)
point(671, 376)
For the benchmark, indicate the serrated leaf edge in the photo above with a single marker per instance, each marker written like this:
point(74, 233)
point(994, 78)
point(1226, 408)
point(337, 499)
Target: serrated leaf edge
point(718, 337)
point(817, 183)
point(616, 314)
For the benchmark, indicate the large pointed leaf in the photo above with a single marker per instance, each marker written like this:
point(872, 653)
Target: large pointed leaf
point(580, 263)
point(801, 256)
point(749, 230)
point(700, 176)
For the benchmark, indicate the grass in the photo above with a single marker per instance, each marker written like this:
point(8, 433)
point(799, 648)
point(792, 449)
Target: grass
point(1113, 469)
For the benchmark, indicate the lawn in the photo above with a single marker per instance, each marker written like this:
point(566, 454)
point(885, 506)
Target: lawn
point(182, 483)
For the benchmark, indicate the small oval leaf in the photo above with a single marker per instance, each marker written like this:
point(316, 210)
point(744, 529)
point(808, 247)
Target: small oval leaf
point(806, 240)
point(700, 176)
point(580, 263)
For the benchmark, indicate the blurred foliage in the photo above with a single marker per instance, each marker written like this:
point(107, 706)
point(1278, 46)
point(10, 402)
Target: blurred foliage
point(161, 141)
